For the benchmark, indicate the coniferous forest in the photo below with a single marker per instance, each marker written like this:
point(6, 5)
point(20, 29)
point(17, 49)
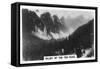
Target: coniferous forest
point(35, 48)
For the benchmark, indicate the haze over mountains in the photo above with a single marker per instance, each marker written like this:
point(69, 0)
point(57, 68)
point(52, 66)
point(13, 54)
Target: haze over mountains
point(50, 26)
point(41, 34)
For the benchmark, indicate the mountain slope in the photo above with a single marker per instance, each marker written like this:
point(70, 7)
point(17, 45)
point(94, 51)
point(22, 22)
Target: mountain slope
point(35, 48)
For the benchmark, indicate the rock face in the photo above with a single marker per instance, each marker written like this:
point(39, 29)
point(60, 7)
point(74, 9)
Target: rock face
point(35, 48)
point(44, 24)
point(30, 20)
point(48, 22)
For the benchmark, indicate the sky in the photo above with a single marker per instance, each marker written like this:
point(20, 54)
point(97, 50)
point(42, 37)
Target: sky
point(73, 17)
point(87, 13)
point(70, 14)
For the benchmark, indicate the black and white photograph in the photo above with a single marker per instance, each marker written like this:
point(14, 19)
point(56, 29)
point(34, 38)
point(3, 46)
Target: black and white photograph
point(56, 34)
point(53, 34)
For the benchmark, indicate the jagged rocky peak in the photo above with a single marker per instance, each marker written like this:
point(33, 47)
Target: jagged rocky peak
point(57, 23)
point(48, 22)
point(45, 26)
point(62, 19)
point(30, 20)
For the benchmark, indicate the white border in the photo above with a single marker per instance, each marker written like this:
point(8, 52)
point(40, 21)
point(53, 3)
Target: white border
point(53, 8)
